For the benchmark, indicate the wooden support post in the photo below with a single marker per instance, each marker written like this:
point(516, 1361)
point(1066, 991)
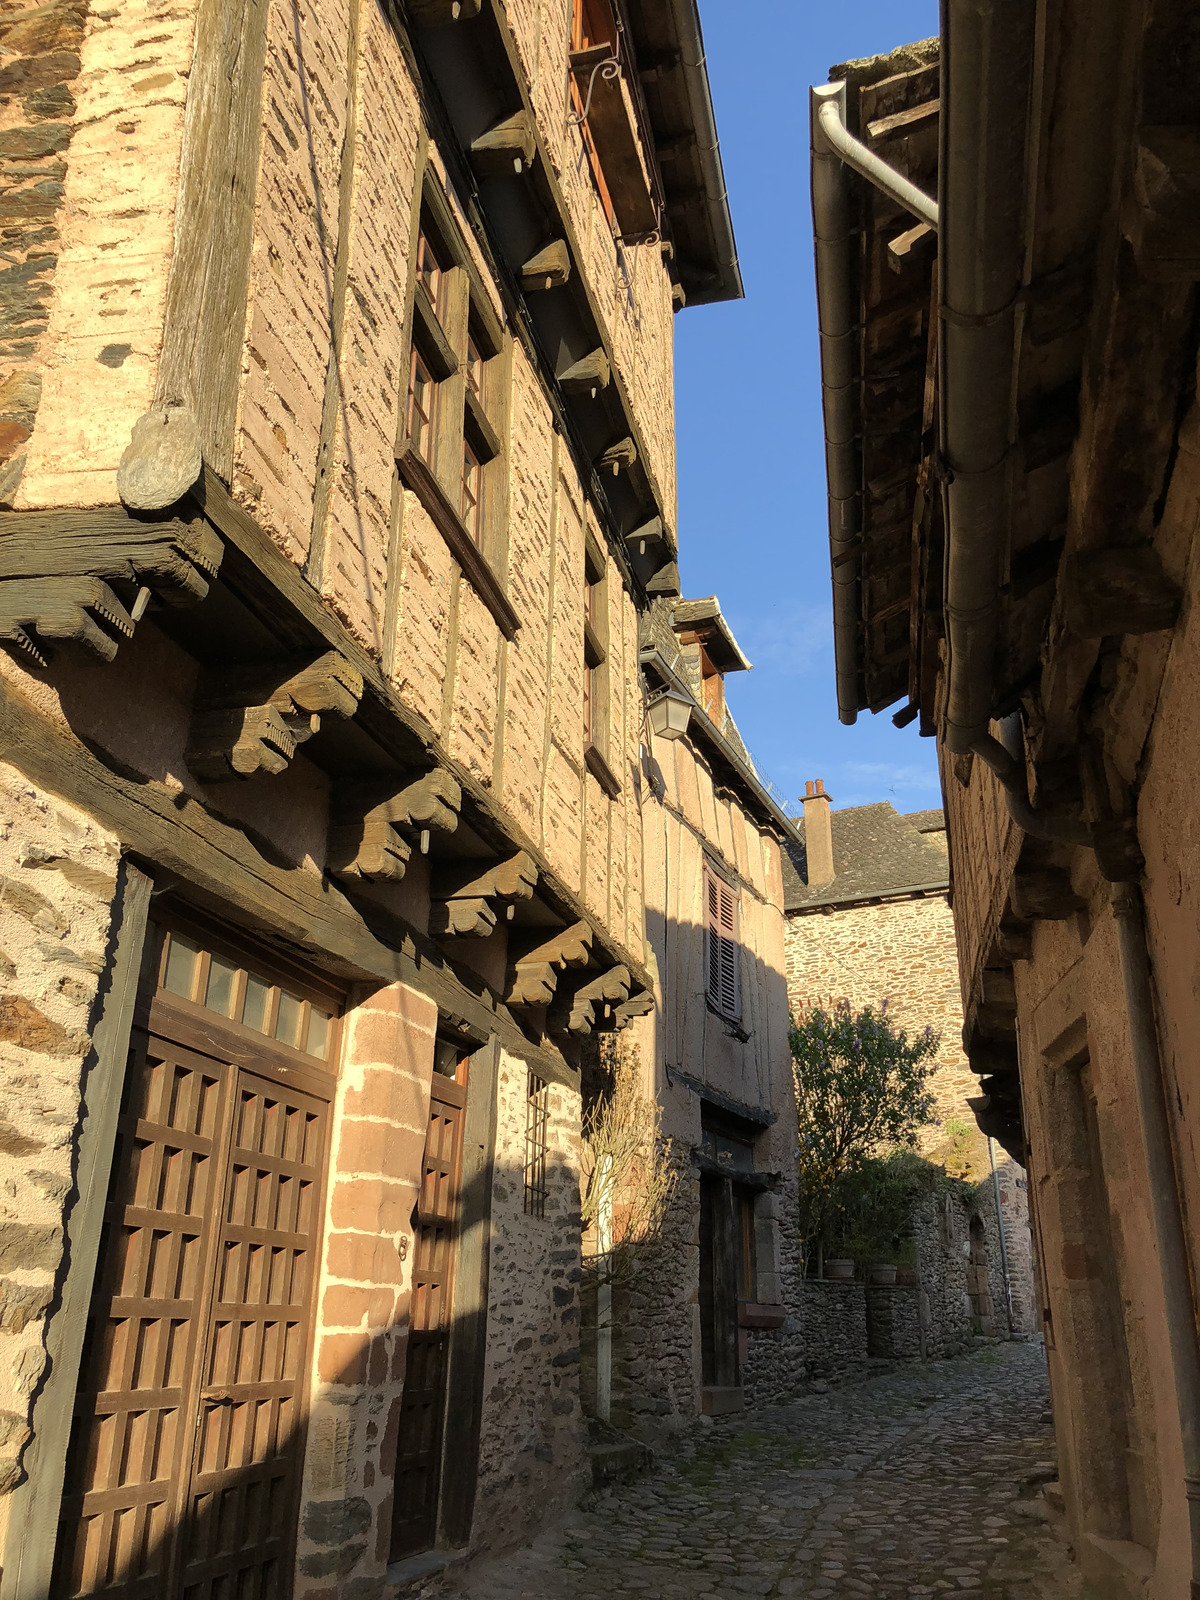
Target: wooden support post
point(33, 1518)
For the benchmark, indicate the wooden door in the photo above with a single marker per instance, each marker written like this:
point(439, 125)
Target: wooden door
point(187, 1445)
point(435, 1248)
point(718, 1284)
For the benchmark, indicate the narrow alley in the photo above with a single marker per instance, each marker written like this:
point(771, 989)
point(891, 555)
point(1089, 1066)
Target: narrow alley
point(920, 1481)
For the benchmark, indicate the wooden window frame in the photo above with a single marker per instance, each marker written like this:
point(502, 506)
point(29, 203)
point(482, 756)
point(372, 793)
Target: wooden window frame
point(462, 344)
point(728, 932)
point(597, 677)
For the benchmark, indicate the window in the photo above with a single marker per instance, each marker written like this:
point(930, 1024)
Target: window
point(452, 421)
point(595, 653)
point(209, 979)
point(722, 953)
point(537, 1119)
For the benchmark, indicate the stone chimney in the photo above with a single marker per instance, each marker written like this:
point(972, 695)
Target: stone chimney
point(818, 834)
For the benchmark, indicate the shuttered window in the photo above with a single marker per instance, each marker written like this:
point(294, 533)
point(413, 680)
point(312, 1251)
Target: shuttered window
point(722, 953)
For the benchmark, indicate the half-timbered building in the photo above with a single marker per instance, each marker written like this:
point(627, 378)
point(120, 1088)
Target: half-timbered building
point(336, 428)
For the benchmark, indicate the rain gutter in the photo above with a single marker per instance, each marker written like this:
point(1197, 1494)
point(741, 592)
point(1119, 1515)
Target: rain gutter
point(686, 16)
point(834, 148)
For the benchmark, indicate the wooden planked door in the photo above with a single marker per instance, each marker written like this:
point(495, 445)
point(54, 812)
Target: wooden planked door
point(435, 1242)
point(183, 1471)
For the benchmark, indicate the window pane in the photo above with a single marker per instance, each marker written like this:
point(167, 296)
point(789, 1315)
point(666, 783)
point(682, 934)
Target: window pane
point(218, 995)
point(469, 508)
point(287, 1023)
point(182, 958)
point(420, 404)
point(474, 366)
point(254, 1012)
point(318, 1033)
point(429, 271)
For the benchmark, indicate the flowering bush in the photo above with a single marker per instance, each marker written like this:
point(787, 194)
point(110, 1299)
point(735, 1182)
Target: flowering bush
point(860, 1090)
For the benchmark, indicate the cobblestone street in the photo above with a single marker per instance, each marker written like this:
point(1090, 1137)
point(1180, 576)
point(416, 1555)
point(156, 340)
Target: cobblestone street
point(913, 1482)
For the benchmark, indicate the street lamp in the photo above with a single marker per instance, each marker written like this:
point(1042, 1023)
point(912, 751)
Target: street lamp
point(669, 713)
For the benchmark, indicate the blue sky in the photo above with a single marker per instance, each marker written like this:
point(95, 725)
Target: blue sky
point(752, 521)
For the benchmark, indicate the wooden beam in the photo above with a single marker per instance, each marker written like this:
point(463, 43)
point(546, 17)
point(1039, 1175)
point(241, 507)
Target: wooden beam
point(220, 870)
point(205, 318)
point(1118, 590)
point(174, 559)
point(621, 454)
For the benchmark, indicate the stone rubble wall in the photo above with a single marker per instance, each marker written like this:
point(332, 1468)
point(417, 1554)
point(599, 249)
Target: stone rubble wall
point(58, 874)
point(894, 1321)
point(774, 1359)
point(532, 1459)
point(833, 1326)
point(905, 952)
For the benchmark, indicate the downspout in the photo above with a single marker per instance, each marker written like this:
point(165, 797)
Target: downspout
point(834, 148)
point(695, 76)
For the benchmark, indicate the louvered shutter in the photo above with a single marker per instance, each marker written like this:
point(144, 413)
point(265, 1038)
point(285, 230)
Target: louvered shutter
point(721, 932)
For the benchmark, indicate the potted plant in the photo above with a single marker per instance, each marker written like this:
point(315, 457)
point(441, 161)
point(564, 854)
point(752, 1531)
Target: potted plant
point(839, 1269)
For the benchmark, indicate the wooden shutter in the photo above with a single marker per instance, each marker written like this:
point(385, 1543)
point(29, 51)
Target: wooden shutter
point(723, 953)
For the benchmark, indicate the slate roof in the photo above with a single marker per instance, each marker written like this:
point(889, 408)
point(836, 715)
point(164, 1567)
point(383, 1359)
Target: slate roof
point(876, 852)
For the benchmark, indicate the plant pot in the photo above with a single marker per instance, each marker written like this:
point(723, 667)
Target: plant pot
point(907, 1276)
point(884, 1275)
point(839, 1270)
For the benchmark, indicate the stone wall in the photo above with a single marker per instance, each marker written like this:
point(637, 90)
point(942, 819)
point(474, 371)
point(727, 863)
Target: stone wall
point(833, 1326)
point(58, 874)
point(531, 1457)
point(773, 1359)
point(894, 1321)
point(905, 952)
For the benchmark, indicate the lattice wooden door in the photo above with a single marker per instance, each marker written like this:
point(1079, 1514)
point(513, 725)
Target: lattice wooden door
point(184, 1466)
point(422, 1410)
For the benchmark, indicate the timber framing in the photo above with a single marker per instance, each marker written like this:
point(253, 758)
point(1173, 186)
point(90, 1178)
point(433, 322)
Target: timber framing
point(404, 779)
point(512, 217)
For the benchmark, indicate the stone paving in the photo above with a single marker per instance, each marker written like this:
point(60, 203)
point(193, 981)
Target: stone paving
point(918, 1481)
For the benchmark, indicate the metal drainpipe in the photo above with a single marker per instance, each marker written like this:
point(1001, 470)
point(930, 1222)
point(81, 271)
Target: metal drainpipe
point(695, 74)
point(834, 148)
point(1000, 1225)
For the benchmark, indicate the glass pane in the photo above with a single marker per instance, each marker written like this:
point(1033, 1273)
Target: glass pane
point(287, 1023)
point(181, 966)
point(218, 996)
point(318, 1033)
point(254, 1012)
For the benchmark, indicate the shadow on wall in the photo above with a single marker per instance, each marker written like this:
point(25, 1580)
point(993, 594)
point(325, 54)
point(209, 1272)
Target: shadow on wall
point(156, 1503)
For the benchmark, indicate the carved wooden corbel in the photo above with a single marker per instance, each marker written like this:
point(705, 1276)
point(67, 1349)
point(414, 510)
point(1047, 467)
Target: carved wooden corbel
point(638, 1005)
point(364, 841)
point(577, 1012)
point(549, 268)
point(533, 976)
point(57, 568)
point(466, 896)
point(506, 148)
point(587, 375)
point(437, 13)
point(621, 454)
point(250, 719)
